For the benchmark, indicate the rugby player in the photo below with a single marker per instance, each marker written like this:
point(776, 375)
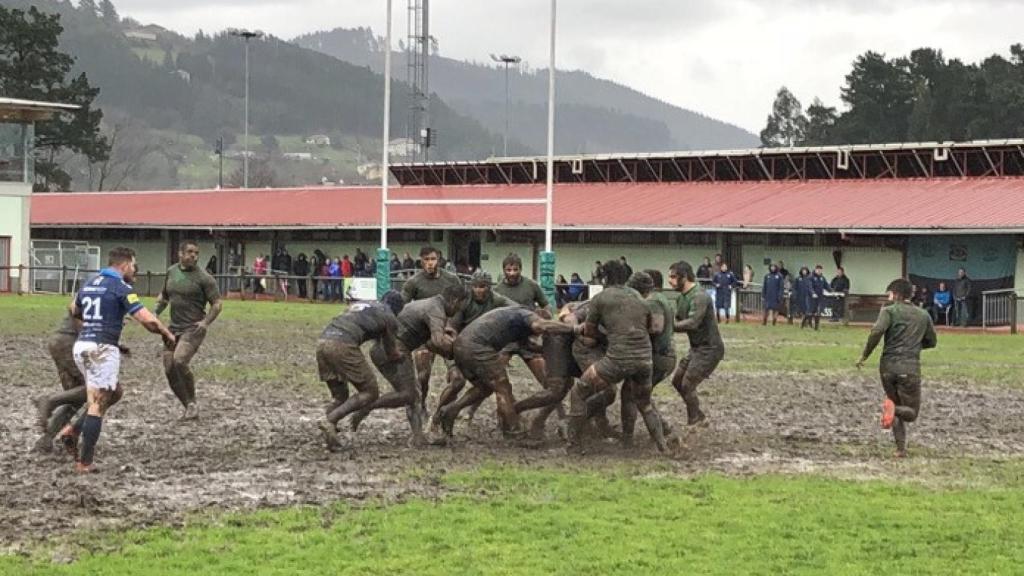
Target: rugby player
point(695, 315)
point(101, 305)
point(188, 289)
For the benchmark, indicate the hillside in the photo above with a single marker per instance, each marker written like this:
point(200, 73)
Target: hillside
point(594, 115)
point(173, 96)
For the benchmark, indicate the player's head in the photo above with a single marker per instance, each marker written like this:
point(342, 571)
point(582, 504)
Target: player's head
point(840, 271)
point(679, 274)
point(188, 253)
point(480, 285)
point(724, 267)
point(428, 259)
point(512, 266)
point(657, 278)
point(614, 273)
point(773, 267)
point(900, 289)
point(805, 271)
point(122, 259)
point(454, 297)
point(641, 282)
point(393, 300)
point(818, 270)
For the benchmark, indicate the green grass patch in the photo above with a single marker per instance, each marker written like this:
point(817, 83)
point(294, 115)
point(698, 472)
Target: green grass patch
point(514, 521)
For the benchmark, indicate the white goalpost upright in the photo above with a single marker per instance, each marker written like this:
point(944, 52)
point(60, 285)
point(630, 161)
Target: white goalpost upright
point(547, 257)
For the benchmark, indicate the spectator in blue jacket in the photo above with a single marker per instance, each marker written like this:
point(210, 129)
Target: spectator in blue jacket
point(772, 289)
point(723, 282)
point(801, 296)
point(943, 300)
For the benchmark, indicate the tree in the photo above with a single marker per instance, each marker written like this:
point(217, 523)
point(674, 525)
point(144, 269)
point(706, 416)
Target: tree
point(787, 124)
point(130, 147)
point(880, 94)
point(108, 12)
point(88, 7)
point(270, 144)
point(261, 175)
point(821, 122)
point(32, 67)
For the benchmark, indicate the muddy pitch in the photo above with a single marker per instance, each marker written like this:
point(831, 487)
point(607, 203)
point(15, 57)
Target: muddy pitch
point(256, 444)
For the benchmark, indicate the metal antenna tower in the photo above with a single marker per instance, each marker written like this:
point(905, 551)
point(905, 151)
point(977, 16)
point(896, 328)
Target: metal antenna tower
point(417, 76)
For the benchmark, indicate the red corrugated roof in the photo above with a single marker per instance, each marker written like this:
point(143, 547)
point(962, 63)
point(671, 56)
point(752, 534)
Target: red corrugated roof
point(985, 203)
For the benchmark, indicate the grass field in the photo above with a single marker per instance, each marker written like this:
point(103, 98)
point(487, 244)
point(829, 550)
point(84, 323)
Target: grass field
point(941, 513)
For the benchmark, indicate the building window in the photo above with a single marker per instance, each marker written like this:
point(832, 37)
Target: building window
point(15, 164)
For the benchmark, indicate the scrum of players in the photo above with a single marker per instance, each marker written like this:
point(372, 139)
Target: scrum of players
point(618, 344)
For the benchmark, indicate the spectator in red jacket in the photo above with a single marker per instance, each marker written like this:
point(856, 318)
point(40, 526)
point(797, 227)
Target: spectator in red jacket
point(346, 267)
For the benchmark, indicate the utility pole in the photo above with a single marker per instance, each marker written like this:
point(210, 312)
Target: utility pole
point(247, 35)
point(220, 159)
point(507, 60)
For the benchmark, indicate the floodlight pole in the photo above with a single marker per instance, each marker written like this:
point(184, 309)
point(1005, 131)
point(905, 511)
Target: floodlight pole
point(506, 60)
point(383, 254)
point(246, 35)
point(547, 258)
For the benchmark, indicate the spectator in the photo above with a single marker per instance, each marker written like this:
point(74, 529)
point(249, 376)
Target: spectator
point(782, 269)
point(324, 271)
point(441, 262)
point(301, 269)
point(704, 273)
point(371, 268)
point(211, 266)
point(577, 288)
point(629, 269)
point(334, 271)
point(772, 289)
point(801, 297)
point(818, 287)
point(840, 285)
point(961, 295)
point(259, 269)
point(275, 261)
point(285, 262)
point(396, 263)
point(408, 264)
point(360, 262)
point(748, 276)
point(346, 267)
point(941, 303)
point(718, 262)
point(597, 276)
point(561, 291)
point(923, 298)
point(316, 265)
point(723, 281)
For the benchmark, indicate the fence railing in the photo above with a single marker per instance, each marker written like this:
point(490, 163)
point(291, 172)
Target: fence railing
point(1001, 308)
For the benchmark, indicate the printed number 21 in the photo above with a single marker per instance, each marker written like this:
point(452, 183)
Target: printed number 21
point(92, 309)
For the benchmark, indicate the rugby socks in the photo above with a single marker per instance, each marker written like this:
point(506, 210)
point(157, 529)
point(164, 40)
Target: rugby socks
point(90, 435)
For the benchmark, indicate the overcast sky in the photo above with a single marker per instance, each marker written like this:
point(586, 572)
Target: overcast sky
point(723, 58)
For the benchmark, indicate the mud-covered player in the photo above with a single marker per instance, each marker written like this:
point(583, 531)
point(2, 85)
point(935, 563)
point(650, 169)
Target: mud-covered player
point(430, 281)
point(188, 289)
point(907, 329)
point(340, 361)
point(695, 315)
point(524, 292)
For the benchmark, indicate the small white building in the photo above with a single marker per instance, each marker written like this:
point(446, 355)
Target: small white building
point(17, 173)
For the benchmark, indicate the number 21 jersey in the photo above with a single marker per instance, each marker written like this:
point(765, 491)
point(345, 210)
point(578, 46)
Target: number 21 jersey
point(103, 302)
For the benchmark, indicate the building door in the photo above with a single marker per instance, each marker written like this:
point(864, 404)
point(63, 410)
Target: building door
point(465, 249)
point(5, 260)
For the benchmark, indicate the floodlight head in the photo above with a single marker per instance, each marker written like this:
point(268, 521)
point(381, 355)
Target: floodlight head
point(245, 33)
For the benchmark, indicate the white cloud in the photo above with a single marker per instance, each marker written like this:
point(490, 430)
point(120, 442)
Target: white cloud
point(725, 58)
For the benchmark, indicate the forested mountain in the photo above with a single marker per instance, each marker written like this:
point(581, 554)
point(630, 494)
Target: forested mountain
point(165, 90)
point(593, 115)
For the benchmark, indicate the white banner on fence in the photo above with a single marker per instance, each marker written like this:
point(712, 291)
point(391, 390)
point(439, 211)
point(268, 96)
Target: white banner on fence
point(361, 288)
point(595, 289)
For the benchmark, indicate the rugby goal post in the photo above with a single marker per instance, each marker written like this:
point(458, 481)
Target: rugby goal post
point(547, 257)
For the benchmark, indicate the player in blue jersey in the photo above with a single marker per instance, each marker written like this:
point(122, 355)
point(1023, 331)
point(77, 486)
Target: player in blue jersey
point(102, 304)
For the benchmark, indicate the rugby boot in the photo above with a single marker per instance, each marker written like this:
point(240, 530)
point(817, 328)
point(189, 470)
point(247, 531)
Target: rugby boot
point(69, 439)
point(330, 435)
point(888, 413)
point(83, 468)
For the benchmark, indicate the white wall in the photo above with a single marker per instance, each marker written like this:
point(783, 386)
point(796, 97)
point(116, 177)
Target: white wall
point(15, 203)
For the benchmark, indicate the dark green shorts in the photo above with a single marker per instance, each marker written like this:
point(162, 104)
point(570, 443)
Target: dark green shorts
point(339, 361)
point(700, 363)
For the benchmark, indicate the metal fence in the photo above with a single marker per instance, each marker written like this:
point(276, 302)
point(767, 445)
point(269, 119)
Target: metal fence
point(1001, 308)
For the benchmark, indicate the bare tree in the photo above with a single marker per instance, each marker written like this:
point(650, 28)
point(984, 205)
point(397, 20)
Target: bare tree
point(261, 175)
point(130, 147)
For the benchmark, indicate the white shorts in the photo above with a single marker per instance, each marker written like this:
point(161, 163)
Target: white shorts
point(100, 363)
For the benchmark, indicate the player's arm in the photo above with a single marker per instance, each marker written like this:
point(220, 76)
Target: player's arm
point(409, 290)
point(877, 331)
point(930, 339)
point(214, 300)
point(539, 325)
point(148, 320)
point(388, 340)
point(162, 300)
point(76, 311)
point(698, 309)
point(539, 297)
point(440, 342)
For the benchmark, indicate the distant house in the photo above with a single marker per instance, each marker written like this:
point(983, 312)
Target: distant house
point(298, 155)
point(318, 140)
point(184, 75)
point(369, 171)
point(403, 147)
point(140, 35)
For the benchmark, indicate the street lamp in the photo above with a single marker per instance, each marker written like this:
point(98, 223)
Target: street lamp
point(506, 60)
point(246, 35)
